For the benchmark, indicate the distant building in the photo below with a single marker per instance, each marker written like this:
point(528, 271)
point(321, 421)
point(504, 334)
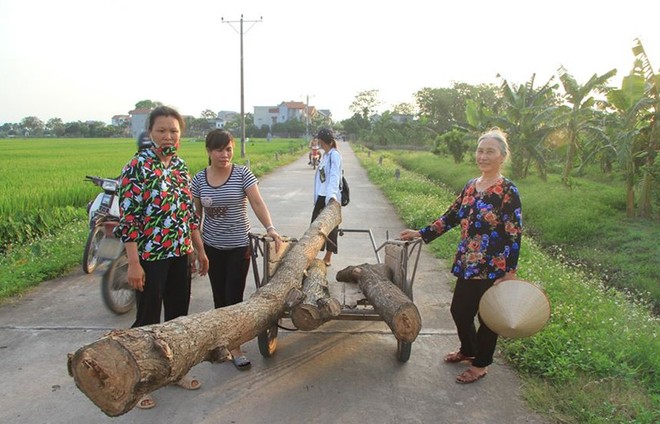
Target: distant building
point(284, 112)
point(120, 120)
point(139, 118)
point(224, 116)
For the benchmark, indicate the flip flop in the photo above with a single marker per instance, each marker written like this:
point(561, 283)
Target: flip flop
point(242, 362)
point(470, 376)
point(189, 383)
point(147, 402)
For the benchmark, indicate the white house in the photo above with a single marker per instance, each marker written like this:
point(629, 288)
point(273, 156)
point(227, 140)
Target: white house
point(284, 112)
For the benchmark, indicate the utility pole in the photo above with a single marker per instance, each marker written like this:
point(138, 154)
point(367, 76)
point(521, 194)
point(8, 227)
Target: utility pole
point(307, 120)
point(242, 84)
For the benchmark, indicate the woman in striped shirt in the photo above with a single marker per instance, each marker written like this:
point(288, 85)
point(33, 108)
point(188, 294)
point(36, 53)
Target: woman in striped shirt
point(221, 192)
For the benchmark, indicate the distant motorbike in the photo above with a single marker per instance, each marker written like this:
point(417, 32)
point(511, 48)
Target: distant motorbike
point(316, 158)
point(105, 207)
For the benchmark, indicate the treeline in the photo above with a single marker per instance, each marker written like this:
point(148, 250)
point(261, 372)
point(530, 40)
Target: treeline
point(33, 127)
point(560, 126)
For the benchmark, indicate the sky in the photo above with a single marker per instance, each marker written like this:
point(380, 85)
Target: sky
point(82, 60)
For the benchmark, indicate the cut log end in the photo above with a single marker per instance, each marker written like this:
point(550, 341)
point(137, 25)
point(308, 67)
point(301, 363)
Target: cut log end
point(406, 323)
point(306, 317)
point(108, 374)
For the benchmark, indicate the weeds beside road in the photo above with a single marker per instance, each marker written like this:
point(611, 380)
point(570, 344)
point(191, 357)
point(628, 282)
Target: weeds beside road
point(597, 359)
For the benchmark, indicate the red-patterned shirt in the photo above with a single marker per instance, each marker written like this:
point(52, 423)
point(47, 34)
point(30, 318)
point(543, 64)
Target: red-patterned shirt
point(156, 207)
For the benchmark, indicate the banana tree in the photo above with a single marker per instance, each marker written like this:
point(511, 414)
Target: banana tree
point(628, 129)
point(652, 92)
point(578, 117)
point(524, 115)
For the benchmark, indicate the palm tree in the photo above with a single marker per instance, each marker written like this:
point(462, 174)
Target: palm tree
point(579, 118)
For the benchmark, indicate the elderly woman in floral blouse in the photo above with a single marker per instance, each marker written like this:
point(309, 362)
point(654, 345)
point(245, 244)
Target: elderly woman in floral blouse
point(159, 228)
point(488, 212)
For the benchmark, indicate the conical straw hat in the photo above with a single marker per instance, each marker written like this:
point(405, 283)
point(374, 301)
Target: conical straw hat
point(514, 308)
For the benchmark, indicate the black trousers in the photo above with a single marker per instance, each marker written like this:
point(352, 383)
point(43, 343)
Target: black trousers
point(167, 283)
point(464, 306)
point(332, 237)
point(228, 271)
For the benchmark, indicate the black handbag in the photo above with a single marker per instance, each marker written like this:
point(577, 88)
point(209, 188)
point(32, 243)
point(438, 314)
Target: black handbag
point(345, 192)
point(343, 187)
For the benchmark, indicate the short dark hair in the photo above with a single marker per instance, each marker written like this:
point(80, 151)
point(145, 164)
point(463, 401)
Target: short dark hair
point(166, 111)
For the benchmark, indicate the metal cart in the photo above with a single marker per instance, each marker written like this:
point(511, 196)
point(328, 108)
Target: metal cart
point(401, 257)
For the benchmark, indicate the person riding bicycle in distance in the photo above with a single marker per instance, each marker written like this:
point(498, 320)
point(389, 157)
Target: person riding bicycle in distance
point(313, 149)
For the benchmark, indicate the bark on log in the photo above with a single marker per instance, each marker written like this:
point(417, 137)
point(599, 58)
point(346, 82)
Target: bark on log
point(396, 309)
point(117, 370)
point(317, 306)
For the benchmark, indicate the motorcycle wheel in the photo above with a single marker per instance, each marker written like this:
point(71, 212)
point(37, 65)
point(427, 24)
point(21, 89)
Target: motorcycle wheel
point(117, 294)
point(91, 254)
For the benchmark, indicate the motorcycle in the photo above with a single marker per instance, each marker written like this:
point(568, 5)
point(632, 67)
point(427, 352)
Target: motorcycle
point(316, 158)
point(105, 207)
point(117, 294)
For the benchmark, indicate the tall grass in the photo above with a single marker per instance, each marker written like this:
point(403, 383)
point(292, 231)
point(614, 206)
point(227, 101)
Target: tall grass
point(597, 359)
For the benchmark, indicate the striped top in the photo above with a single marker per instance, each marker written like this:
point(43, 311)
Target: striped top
point(226, 224)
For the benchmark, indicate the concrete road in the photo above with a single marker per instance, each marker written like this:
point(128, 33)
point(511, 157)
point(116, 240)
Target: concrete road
point(344, 372)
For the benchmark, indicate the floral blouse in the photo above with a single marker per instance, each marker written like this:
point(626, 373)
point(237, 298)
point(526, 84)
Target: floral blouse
point(156, 207)
point(491, 227)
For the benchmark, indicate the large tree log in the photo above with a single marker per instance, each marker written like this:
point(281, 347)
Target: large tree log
point(317, 306)
point(117, 370)
point(396, 309)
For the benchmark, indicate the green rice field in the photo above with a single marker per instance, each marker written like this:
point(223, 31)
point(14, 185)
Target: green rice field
point(42, 185)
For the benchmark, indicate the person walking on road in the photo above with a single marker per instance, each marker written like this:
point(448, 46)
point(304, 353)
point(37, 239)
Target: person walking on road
point(159, 228)
point(326, 185)
point(489, 213)
point(221, 192)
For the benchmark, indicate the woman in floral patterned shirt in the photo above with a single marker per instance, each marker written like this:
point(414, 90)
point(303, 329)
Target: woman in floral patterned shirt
point(159, 228)
point(488, 212)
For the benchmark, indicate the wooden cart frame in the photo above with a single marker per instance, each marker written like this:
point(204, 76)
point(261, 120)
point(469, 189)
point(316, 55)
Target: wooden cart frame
point(401, 257)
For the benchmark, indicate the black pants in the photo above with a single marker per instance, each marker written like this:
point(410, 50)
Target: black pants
point(167, 283)
point(332, 237)
point(228, 271)
point(464, 306)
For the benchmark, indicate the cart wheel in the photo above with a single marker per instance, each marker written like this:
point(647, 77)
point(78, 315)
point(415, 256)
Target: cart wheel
point(268, 342)
point(403, 351)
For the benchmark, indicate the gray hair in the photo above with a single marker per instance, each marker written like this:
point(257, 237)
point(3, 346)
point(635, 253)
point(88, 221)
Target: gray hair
point(498, 135)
